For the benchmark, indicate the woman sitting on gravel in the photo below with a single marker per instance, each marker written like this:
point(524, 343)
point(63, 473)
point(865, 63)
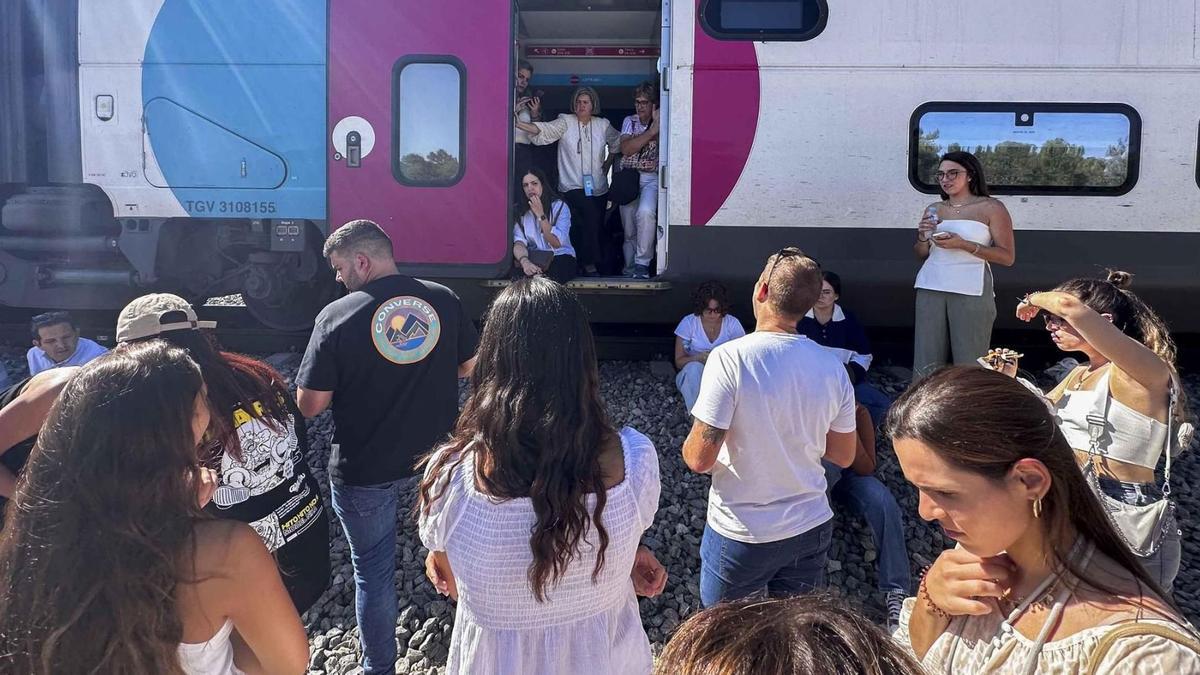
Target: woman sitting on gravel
point(533, 510)
point(710, 324)
point(258, 445)
point(1040, 581)
point(802, 635)
point(1124, 391)
point(108, 563)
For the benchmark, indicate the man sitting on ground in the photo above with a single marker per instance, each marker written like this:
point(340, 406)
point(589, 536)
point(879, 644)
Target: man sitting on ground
point(56, 343)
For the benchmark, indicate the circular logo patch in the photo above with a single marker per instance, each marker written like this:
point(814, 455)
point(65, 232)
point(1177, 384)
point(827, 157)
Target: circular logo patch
point(405, 329)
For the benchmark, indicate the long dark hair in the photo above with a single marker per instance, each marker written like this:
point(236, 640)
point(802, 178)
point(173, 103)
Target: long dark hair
point(233, 380)
point(535, 423)
point(976, 181)
point(1004, 424)
point(804, 635)
point(102, 517)
point(549, 196)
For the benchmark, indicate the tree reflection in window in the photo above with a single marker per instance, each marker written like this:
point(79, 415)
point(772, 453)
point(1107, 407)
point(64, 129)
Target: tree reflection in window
point(428, 110)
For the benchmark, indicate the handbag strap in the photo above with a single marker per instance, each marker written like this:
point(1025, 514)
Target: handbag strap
point(1134, 629)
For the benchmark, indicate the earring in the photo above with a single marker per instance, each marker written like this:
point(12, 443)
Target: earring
point(1037, 508)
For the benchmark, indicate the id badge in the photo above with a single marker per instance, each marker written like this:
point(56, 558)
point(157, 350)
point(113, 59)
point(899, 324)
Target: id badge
point(589, 185)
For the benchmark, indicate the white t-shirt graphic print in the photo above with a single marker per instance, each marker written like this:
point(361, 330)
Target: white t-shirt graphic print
point(778, 395)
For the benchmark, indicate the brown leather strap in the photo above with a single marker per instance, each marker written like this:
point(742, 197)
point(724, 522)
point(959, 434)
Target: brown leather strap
point(1134, 629)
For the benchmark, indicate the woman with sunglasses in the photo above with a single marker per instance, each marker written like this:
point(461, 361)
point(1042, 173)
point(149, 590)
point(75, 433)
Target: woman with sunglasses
point(959, 238)
point(710, 324)
point(1124, 385)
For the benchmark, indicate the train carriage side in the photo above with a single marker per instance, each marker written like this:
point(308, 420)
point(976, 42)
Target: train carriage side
point(824, 133)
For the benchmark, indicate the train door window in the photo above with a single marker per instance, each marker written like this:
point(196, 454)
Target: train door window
point(1031, 148)
point(428, 121)
point(792, 20)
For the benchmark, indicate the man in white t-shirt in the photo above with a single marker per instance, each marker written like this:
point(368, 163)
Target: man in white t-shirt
point(771, 406)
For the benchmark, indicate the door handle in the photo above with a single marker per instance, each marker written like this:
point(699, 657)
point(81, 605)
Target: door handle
point(353, 149)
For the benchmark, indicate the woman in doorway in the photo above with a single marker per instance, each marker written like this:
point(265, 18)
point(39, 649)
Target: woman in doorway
point(698, 333)
point(586, 145)
point(543, 231)
point(533, 510)
point(1040, 580)
point(639, 153)
point(1123, 391)
point(108, 563)
point(959, 238)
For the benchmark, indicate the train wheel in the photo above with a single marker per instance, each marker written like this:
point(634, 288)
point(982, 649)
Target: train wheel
point(286, 292)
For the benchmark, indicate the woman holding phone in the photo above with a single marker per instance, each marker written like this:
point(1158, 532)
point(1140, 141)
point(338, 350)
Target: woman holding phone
point(959, 238)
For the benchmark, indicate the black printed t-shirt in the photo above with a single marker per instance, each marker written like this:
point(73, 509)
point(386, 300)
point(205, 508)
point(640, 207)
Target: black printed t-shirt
point(272, 489)
point(14, 458)
point(389, 352)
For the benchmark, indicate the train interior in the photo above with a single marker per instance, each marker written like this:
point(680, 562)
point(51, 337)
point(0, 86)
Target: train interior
point(609, 45)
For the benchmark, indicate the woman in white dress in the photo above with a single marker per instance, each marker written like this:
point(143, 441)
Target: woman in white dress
point(710, 324)
point(533, 510)
point(1040, 581)
point(958, 238)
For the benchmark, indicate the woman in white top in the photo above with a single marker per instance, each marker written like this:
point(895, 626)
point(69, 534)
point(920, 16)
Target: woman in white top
point(542, 230)
point(698, 333)
point(958, 239)
point(1039, 579)
point(586, 147)
point(533, 511)
point(109, 564)
point(1125, 386)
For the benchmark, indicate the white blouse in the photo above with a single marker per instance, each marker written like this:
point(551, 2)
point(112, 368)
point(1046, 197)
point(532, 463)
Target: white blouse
point(580, 150)
point(695, 340)
point(583, 626)
point(528, 231)
point(1134, 655)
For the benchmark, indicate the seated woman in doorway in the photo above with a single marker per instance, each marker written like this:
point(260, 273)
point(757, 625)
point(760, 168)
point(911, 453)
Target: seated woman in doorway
point(533, 510)
point(542, 232)
point(109, 564)
point(587, 145)
point(698, 333)
point(1040, 581)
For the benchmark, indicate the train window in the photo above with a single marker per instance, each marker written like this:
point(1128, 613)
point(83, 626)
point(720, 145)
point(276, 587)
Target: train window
point(1031, 148)
point(428, 121)
point(794, 20)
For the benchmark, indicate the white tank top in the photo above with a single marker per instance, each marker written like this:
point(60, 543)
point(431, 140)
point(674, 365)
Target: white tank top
point(1129, 436)
point(214, 657)
point(952, 270)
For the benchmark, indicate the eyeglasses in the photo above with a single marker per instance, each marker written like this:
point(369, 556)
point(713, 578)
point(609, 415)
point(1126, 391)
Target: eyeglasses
point(1051, 320)
point(826, 292)
point(786, 252)
point(714, 310)
point(641, 102)
point(948, 175)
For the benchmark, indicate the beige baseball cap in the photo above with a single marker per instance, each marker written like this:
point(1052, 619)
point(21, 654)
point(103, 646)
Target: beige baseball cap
point(143, 317)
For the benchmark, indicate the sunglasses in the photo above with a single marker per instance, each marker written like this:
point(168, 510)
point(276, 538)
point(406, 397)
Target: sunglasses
point(785, 252)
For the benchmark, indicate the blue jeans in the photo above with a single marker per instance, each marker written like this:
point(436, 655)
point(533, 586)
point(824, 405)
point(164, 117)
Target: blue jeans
point(868, 498)
point(368, 515)
point(731, 569)
point(876, 402)
point(1163, 564)
point(688, 383)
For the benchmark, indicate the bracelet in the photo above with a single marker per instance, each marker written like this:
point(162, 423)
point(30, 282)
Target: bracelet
point(923, 241)
point(522, 259)
point(923, 594)
point(976, 251)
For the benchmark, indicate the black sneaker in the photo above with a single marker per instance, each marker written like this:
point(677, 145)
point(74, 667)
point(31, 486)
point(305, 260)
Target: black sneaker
point(895, 603)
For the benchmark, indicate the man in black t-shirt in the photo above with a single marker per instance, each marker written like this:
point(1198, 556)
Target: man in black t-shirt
point(387, 356)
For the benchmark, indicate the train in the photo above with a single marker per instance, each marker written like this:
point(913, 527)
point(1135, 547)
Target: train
point(208, 147)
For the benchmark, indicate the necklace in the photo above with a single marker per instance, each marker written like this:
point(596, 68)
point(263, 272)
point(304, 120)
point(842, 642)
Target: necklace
point(1084, 377)
point(959, 207)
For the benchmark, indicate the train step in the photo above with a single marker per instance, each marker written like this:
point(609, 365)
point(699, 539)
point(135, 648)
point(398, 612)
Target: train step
point(601, 285)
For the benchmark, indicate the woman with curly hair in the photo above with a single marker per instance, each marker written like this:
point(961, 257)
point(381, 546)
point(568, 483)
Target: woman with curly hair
point(108, 563)
point(533, 510)
point(710, 324)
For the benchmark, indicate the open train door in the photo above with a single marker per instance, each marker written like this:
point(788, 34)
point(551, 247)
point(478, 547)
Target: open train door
point(419, 128)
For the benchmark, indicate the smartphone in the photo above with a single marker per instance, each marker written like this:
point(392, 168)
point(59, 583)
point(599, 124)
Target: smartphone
point(940, 235)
